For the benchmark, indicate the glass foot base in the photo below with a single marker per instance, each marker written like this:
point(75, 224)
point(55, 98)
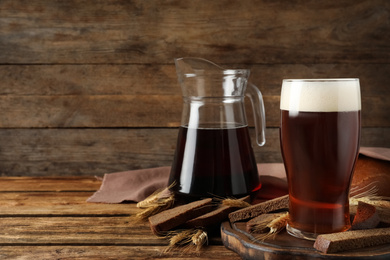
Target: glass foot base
point(301, 234)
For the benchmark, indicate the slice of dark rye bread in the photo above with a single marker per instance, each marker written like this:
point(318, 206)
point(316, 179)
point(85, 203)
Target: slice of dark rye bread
point(349, 240)
point(216, 216)
point(258, 209)
point(171, 218)
point(366, 217)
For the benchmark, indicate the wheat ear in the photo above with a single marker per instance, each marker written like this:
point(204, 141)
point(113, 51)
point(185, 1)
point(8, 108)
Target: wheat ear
point(273, 227)
point(369, 196)
point(186, 240)
point(159, 201)
point(235, 203)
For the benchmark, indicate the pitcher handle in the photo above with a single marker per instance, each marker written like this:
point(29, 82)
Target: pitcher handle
point(256, 98)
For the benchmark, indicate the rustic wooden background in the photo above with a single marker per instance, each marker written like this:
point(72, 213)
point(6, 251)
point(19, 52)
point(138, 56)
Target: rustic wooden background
point(89, 87)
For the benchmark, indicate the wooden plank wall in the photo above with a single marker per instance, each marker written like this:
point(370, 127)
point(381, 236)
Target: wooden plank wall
point(89, 87)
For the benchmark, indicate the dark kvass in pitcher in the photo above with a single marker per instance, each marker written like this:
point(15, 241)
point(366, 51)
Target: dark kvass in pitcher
point(219, 164)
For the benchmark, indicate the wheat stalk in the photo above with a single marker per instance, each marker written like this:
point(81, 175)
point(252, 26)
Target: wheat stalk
point(370, 189)
point(156, 208)
point(156, 198)
point(186, 240)
point(159, 201)
point(369, 196)
point(235, 203)
point(199, 239)
point(273, 227)
point(162, 205)
point(180, 238)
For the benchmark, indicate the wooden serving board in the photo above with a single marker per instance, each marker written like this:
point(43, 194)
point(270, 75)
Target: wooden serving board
point(285, 246)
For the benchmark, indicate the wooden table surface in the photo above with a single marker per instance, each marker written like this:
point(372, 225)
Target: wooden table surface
point(49, 218)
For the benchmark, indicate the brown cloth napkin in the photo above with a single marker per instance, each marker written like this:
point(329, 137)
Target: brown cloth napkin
point(136, 185)
point(376, 152)
point(133, 185)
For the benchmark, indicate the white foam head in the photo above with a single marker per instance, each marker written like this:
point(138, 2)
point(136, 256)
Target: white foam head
point(320, 95)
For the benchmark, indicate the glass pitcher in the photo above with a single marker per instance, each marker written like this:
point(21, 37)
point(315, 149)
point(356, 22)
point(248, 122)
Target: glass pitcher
point(214, 155)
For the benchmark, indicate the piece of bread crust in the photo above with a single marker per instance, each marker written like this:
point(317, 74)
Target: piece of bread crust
point(349, 240)
point(366, 217)
point(171, 218)
point(258, 209)
point(214, 217)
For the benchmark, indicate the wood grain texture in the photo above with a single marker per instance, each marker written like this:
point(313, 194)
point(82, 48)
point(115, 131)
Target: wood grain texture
point(149, 96)
point(136, 111)
point(76, 230)
point(69, 67)
point(112, 252)
point(55, 222)
point(89, 87)
point(52, 184)
point(52, 204)
point(90, 152)
point(247, 31)
point(161, 79)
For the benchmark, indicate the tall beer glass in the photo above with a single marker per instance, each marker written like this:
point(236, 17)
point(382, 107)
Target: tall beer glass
point(320, 136)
